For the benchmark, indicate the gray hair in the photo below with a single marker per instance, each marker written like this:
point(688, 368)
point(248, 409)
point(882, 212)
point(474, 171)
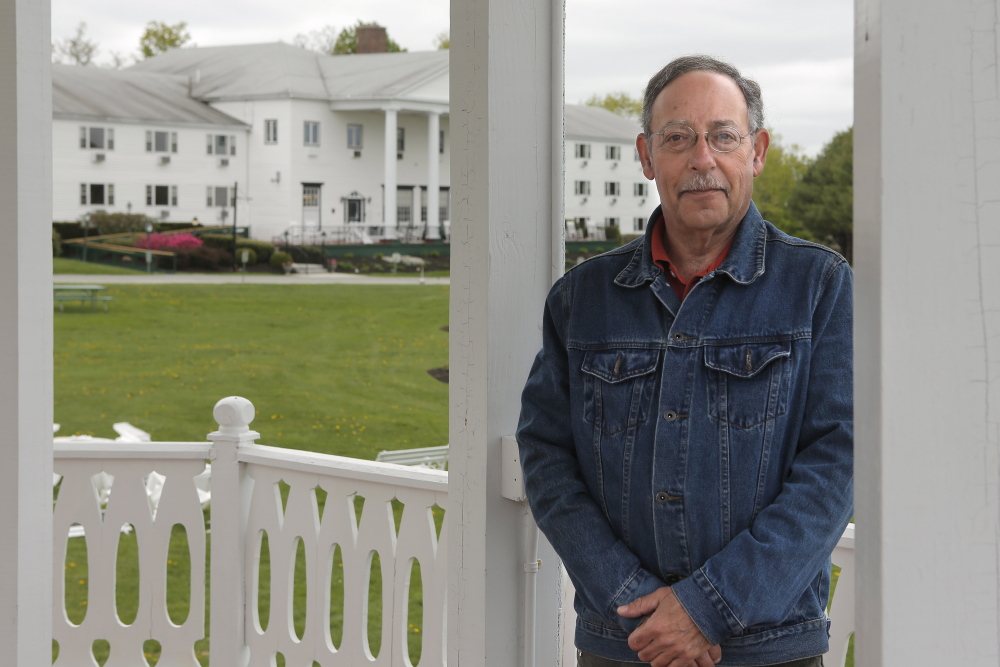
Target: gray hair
point(685, 64)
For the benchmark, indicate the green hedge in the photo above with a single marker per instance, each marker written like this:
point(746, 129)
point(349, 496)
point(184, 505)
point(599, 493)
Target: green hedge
point(262, 249)
point(278, 258)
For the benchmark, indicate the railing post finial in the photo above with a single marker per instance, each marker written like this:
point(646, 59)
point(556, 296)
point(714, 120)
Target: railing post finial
point(234, 414)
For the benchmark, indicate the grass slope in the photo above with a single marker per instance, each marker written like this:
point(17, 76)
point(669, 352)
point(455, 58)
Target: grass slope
point(63, 265)
point(340, 369)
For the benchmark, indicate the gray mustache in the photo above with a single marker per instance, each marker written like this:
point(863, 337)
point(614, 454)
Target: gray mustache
point(704, 182)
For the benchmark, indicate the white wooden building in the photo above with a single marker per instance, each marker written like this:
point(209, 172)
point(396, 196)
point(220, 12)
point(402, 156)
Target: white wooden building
point(308, 140)
point(604, 184)
point(127, 141)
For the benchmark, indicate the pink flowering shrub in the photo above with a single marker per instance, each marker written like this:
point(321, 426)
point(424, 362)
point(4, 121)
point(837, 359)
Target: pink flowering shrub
point(169, 242)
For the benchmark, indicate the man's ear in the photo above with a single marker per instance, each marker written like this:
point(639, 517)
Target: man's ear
point(761, 141)
point(642, 146)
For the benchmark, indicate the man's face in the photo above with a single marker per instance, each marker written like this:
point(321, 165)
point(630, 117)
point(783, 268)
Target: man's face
point(702, 191)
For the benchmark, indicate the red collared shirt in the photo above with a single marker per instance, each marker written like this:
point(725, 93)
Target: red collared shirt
point(662, 260)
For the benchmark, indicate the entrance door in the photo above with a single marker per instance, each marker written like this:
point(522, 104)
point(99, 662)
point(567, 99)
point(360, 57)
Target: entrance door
point(354, 210)
point(311, 204)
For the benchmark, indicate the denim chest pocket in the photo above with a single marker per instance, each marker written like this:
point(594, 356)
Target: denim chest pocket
point(748, 383)
point(618, 387)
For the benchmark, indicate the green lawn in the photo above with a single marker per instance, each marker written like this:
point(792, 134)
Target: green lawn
point(330, 368)
point(63, 265)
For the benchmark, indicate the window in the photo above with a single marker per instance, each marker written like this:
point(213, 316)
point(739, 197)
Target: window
point(311, 132)
point(355, 137)
point(612, 152)
point(216, 196)
point(581, 187)
point(97, 137)
point(640, 224)
point(635, 154)
point(400, 139)
point(610, 222)
point(441, 142)
point(582, 150)
point(97, 194)
point(221, 144)
point(612, 188)
point(161, 142)
point(640, 189)
point(161, 195)
point(271, 131)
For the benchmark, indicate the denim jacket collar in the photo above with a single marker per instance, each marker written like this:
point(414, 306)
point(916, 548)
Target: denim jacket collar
point(744, 264)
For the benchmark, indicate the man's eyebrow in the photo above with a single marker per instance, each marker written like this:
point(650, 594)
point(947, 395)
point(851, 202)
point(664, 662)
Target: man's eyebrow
point(725, 122)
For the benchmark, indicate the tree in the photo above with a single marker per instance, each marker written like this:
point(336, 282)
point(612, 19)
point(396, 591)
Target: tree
point(347, 40)
point(160, 37)
point(77, 50)
point(773, 188)
point(321, 41)
point(620, 103)
point(824, 199)
point(442, 41)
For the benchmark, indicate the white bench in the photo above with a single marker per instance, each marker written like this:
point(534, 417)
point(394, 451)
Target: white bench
point(435, 458)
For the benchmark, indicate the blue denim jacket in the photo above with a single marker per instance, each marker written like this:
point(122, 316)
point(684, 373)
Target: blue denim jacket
point(706, 445)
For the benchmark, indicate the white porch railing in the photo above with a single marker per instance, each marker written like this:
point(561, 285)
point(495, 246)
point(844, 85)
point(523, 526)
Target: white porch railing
point(247, 502)
point(247, 483)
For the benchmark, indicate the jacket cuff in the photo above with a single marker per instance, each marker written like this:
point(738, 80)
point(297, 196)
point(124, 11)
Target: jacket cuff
point(707, 609)
point(642, 583)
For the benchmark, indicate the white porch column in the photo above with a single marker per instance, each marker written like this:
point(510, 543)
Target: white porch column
point(927, 260)
point(433, 176)
point(506, 120)
point(26, 334)
point(389, 198)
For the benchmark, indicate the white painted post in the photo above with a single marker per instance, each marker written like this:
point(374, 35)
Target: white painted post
point(389, 213)
point(505, 118)
point(433, 176)
point(927, 261)
point(230, 505)
point(26, 334)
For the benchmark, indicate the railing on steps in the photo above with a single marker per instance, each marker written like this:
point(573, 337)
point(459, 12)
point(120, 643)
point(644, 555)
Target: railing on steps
point(291, 496)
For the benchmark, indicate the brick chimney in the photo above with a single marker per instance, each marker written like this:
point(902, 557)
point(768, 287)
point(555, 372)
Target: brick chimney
point(371, 39)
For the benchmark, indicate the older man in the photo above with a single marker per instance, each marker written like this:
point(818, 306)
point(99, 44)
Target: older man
point(686, 430)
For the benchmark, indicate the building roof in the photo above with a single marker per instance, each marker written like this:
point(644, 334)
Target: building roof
point(587, 122)
point(278, 70)
point(130, 96)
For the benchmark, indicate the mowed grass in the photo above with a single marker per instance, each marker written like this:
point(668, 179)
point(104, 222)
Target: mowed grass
point(340, 369)
point(330, 368)
point(63, 265)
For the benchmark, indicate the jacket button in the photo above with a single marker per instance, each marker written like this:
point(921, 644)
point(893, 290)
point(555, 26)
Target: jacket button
point(662, 498)
point(678, 336)
point(673, 579)
point(670, 415)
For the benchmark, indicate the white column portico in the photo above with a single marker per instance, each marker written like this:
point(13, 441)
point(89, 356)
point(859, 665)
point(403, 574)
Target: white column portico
point(433, 177)
point(26, 334)
point(389, 213)
point(927, 351)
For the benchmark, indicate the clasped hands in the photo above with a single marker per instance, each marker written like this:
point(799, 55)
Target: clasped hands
point(667, 636)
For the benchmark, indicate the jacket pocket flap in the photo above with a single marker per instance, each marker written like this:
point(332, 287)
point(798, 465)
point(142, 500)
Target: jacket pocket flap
point(745, 360)
point(618, 365)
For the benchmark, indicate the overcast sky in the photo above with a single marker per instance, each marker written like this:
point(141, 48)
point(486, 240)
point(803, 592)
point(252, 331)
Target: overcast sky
point(801, 53)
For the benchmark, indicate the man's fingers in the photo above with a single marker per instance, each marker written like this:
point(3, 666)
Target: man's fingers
point(640, 606)
point(715, 653)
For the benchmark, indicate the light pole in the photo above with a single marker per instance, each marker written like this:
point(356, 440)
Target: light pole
point(149, 247)
point(86, 226)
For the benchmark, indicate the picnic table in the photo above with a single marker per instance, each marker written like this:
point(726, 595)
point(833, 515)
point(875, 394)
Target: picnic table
point(80, 293)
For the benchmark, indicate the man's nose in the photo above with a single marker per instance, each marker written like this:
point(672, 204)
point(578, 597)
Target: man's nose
point(702, 155)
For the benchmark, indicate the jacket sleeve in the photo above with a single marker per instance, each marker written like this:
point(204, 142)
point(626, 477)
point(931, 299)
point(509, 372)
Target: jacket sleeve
point(759, 575)
point(603, 569)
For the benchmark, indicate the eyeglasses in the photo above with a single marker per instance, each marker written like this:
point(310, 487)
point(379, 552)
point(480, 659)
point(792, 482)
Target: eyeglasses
point(723, 139)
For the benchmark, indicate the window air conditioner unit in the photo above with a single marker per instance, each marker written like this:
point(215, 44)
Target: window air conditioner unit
point(583, 201)
point(614, 199)
point(98, 157)
point(583, 164)
point(357, 153)
point(399, 156)
point(614, 164)
point(164, 159)
point(224, 162)
point(164, 215)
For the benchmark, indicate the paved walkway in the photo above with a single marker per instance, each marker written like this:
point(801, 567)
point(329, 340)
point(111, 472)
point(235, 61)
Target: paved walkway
point(318, 278)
